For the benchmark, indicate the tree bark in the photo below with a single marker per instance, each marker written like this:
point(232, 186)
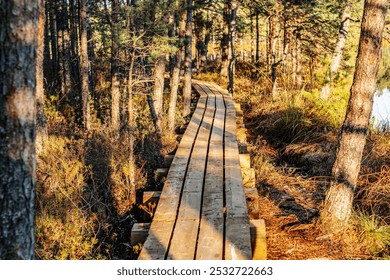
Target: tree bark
point(345, 171)
point(299, 61)
point(18, 37)
point(54, 45)
point(40, 94)
point(207, 38)
point(158, 90)
point(338, 51)
point(225, 42)
point(175, 80)
point(232, 31)
point(188, 61)
point(257, 39)
point(131, 129)
point(84, 66)
point(115, 84)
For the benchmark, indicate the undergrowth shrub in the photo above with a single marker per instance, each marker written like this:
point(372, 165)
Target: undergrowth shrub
point(65, 225)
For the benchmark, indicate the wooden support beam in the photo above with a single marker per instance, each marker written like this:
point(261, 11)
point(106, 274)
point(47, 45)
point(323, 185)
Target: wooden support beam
point(240, 125)
point(151, 196)
point(181, 129)
point(242, 148)
point(252, 202)
point(241, 135)
point(248, 177)
point(245, 160)
point(139, 233)
point(161, 172)
point(240, 120)
point(258, 239)
point(237, 106)
point(168, 161)
point(179, 137)
point(194, 100)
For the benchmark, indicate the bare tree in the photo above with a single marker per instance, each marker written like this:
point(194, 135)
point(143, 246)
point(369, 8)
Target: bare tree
point(188, 61)
point(338, 51)
point(84, 66)
point(233, 5)
point(339, 198)
point(176, 73)
point(18, 45)
point(40, 94)
point(115, 84)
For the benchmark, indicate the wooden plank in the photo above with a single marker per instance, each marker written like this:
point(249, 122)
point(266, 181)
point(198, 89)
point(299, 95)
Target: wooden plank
point(245, 160)
point(210, 239)
point(170, 196)
point(139, 232)
point(237, 232)
point(252, 203)
point(241, 135)
point(184, 237)
point(258, 240)
point(168, 160)
point(183, 242)
point(150, 196)
point(238, 240)
point(248, 177)
point(161, 172)
point(242, 148)
point(156, 245)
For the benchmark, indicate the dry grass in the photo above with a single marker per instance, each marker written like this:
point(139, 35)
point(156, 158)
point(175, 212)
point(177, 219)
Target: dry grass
point(293, 147)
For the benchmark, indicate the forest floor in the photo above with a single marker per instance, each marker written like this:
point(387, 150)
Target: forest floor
point(291, 178)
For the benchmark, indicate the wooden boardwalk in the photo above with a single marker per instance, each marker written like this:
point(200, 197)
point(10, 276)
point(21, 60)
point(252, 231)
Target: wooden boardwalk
point(202, 212)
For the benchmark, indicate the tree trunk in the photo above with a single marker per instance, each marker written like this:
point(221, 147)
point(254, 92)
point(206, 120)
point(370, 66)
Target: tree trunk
point(54, 46)
point(299, 61)
point(91, 55)
point(84, 66)
point(130, 126)
point(232, 31)
point(158, 90)
point(188, 61)
point(40, 94)
point(175, 80)
point(294, 62)
point(345, 171)
point(338, 51)
point(115, 84)
point(257, 39)
point(76, 91)
point(64, 52)
point(18, 37)
point(225, 42)
point(207, 38)
point(252, 38)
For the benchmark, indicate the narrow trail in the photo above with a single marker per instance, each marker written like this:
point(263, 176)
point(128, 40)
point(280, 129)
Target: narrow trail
point(202, 211)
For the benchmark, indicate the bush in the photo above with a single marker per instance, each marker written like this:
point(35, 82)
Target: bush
point(65, 225)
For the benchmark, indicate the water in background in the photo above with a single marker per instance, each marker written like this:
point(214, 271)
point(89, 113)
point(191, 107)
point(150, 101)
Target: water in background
point(381, 110)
